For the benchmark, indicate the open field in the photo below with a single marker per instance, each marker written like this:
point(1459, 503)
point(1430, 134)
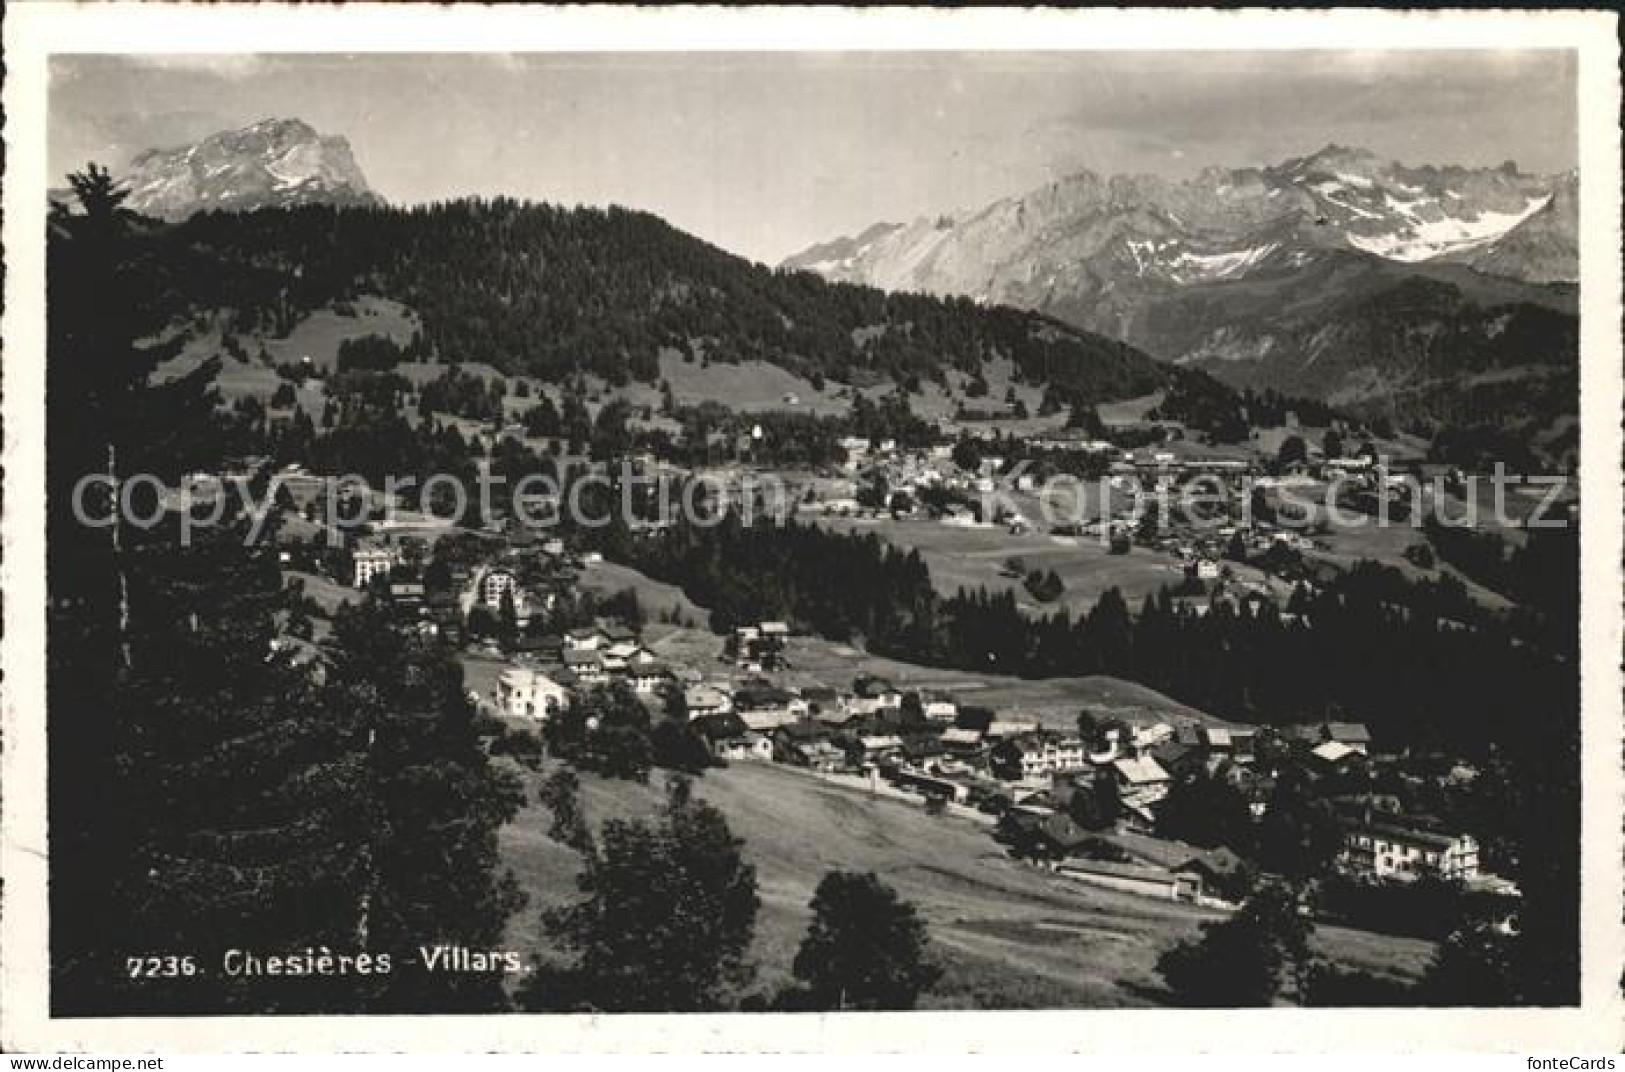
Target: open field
point(1129, 410)
point(756, 386)
point(328, 593)
point(974, 557)
point(656, 597)
point(1006, 934)
point(1055, 702)
point(813, 660)
point(1387, 544)
point(750, 387)
point(318, 335)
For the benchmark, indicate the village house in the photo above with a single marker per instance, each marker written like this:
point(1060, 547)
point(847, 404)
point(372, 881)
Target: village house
point(720, 727)
point(1043, 755)
point(1152, 735)
point(587, 666)
point(647, 677)
point(750, 745)
point(586, 638)
point(871, 695)
point(1388, 846)
point(960, 741)
point(529, 693)
point(1228, 741)
point(619, 655)
point(1143, 879)
point(764, 706)
point(703, 700)
point(1041, 833)
point(1256, 787)
point(939, 709)
point(1141, 781)
point(1204, 569)
point(372, 562)
point(759, 647)
point(1004, 728)
point(1352, 735)
point(821, 698)
point(1334, 757)
point(879, 746)
point(531, 647)
point(930, 785)
point(302, 654)
point(1179, 759)
point(807, 744)
point(1217, 874)
point(617, 633)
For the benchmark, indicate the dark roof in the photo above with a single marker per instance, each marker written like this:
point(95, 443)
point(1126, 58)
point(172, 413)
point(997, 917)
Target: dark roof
point(1407, 834)
point(804, 731)
point(720, 727)
point(1172, 753)
point(761, 696)
point(1110, 867)
point(872, 687)
point(1219, 862)
point(919, 746)
point(1062, 832)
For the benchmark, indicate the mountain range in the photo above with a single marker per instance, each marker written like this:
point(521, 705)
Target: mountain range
point(1340, 274)
point(1429, 295)
point(273, 163)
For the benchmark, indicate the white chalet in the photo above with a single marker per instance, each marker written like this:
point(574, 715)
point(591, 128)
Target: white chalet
point(527, 693)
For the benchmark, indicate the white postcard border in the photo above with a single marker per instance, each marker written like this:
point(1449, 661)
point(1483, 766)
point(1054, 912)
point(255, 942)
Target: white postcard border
point(33, 31)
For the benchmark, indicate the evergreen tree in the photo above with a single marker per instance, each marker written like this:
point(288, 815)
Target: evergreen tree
point(1247, 960)
point(1205, 811)
point(507, 620)
point(1299, 835)
point(865, 949)
point(206, 792)
point(431, 803)
point(668, 911)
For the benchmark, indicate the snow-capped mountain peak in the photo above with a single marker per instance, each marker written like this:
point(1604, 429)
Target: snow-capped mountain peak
point(1085, 234)
point(270, 163)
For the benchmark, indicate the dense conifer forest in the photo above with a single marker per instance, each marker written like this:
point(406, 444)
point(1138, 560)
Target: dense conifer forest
point(550, 292)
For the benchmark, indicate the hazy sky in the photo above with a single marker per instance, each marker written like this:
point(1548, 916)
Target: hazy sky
point(766, 153)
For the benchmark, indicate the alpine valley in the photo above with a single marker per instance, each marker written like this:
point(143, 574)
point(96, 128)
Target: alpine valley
point(511, 602)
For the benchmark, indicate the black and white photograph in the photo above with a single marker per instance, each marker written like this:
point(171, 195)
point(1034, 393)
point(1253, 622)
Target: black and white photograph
point(799, 530)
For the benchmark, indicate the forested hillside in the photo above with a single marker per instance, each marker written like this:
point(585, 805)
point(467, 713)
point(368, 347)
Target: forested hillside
point(548, 292)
